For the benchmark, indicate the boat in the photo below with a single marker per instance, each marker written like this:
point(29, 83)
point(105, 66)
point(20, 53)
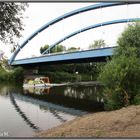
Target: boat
point(41, 85)
point(40, 82)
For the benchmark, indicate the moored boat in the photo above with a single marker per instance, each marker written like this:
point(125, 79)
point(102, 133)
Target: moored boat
point(39, 82)
point(42, 85)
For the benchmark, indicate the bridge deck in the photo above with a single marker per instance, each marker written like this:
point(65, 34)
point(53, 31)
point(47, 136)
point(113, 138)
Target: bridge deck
point(78, 56)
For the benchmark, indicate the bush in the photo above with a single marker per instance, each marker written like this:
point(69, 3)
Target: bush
point(16, 75)
point(121, 75)
point(136, 99)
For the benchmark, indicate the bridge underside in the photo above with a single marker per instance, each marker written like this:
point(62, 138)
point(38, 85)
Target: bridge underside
point(94, 55)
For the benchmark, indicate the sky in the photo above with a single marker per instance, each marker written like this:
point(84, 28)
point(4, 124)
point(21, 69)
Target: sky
point(38, 14)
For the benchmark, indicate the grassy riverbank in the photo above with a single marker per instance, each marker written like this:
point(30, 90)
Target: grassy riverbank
point(120, 123)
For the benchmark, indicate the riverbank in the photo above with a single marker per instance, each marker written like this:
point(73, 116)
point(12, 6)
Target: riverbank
point(120, 123)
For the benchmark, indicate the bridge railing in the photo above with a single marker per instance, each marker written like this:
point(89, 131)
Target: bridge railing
point(80, 50)
point(66, 52)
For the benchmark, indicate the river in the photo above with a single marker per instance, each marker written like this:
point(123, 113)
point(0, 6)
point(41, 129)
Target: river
point(23, 112)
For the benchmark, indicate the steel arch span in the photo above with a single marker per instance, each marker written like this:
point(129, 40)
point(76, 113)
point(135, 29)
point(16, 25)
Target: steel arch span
point(69, 14)
point(89, 28)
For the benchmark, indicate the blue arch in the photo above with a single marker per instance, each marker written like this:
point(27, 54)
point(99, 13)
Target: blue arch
point(90, 27)
point(69, 14)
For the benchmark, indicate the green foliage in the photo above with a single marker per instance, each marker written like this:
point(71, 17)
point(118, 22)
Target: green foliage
point(121, 75)
point(16, 75)
point(2, 74)
point(67, 72)
point(60, 76)
point(97, 44)
point(58, 48)
point(136, 100)
point(72, 49)
point(130, 38)
point(11, 20)
point(45, 47)
point(112, 101)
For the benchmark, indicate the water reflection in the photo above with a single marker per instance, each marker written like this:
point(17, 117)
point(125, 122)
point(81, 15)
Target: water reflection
point(48, 106)
point(37, 90)
point(56, 114)
point(84, 92)
point(22, 114)
point(35, 109)
point(48, 115)
point(87, 98)
point(6, 89)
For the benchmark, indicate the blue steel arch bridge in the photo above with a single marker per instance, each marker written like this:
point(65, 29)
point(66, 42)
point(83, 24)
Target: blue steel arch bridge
point(77, 56)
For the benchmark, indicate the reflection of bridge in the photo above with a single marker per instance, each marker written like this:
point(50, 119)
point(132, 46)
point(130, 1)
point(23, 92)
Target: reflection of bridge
point(48, 105)
point(89, 55)
point(52, 108)
point(55, 113)
point(22, 114)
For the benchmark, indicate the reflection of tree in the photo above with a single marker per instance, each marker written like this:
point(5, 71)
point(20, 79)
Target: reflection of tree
point(22, 114)
point(5, 88)
point(3, 91)
point(77, 97)
point(37, 90)
point(83, 92)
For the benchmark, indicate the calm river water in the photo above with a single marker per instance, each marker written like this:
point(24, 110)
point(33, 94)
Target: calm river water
point(23, 112)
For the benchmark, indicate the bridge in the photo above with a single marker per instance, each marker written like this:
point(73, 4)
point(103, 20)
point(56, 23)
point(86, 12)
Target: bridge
point(95, 55)
point(73, 57)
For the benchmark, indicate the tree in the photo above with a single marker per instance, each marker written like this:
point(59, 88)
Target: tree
point(45, 47)
point(58, 48)
point(121, 75)
point(11, 20)
point(130, 38)
point(97, 44)
point(72, 49)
